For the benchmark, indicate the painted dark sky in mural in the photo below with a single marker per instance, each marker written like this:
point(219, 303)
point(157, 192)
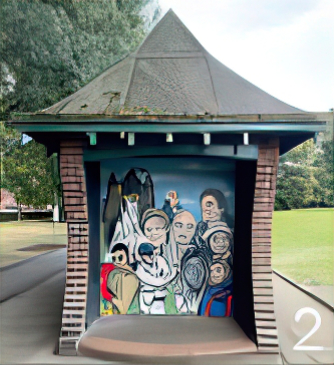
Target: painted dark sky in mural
point(188, 176)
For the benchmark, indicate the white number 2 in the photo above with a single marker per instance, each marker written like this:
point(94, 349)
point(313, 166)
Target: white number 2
point(315, 328)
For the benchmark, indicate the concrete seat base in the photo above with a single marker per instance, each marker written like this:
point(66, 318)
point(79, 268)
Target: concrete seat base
point(141, 338)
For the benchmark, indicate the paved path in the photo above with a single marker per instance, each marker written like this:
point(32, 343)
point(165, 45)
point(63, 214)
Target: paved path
point(30, 321)
point(325, 292)
point(30, 316)
point(288, 300)
point(27, 274)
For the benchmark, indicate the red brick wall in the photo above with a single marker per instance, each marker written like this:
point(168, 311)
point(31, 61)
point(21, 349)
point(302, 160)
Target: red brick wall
point(75, 205)
point(264, 199)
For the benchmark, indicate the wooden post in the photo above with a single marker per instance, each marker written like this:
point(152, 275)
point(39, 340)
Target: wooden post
point(75, 204)
point(264, 199)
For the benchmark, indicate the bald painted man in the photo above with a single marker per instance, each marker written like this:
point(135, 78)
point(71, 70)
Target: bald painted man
point(182, 231)
point(181, 234)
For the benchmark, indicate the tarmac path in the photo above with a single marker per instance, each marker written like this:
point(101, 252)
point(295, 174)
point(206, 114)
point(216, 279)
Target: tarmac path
point(30, 316)
point(288, 301)
point(31, 311)
point(27, 274)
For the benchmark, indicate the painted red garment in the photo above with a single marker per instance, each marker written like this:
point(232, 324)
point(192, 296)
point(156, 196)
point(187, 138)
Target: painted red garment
point(228, 310)
point(105, 271)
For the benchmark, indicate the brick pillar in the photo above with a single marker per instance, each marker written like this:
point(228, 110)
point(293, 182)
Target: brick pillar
point(75, 204)
point(264, 199)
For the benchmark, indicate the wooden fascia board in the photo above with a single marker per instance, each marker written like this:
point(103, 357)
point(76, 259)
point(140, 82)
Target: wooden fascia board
point(163, 118)
point(272, 127)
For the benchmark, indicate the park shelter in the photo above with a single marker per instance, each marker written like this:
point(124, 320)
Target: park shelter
point(171, 107)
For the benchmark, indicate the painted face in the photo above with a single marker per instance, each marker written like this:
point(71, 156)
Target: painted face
point(217, 274)
point(184, 226)
point(146, 251)
point(148, 259)
point(219, 242)
point(156, 231)
point(210, 210)
point(119, 258)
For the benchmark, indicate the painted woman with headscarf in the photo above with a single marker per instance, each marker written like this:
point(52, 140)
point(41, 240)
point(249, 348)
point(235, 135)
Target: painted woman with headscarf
point(219, 241)
point(214, 211)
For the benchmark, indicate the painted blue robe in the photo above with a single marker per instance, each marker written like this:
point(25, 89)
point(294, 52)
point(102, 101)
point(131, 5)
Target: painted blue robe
point(218, 305)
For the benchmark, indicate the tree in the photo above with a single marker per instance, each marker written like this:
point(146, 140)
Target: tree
point(324, 172)
point(50, 48)
point(26, 171)
point(305, 177)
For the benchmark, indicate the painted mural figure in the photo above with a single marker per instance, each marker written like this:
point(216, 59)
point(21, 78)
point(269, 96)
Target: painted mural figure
point(219, 240)
point(122, 282)
point(154, 274)
point(164, 261)
point(182, 231)
point(155, 225)
point(172, 204)
point(138, 181)
point(112, 207)
point(194, 275)
point(181, 234)
point(151, 268)
point(213, 207)
point(156, 271)
point(216, 299)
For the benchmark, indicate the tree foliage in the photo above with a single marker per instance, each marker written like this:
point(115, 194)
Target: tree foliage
point(26, 171)
point(305, 177)
point(50, 48)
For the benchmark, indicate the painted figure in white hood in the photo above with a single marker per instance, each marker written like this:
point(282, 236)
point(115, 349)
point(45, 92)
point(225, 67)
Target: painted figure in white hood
point(151, 267)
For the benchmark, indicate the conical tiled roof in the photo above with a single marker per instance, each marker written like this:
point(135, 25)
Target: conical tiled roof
point(170, 73)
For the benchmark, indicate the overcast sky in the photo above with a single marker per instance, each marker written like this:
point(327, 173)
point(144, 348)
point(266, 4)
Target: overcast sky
point(285, 47)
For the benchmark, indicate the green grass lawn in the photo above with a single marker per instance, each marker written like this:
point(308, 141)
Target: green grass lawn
point(302, 243)
point(302, 246)
point(17, 235)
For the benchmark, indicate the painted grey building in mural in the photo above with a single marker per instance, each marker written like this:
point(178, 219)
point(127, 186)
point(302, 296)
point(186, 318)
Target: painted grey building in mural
point(168, 162)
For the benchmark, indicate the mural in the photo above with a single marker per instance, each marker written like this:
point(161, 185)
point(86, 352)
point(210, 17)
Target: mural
point(161, 261)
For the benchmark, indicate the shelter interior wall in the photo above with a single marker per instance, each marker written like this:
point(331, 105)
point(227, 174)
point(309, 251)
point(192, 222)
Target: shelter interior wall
point(243, 286)
point(189, 177)
point(92, 172)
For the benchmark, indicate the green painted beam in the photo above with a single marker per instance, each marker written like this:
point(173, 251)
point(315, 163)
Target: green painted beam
point(172, 128)
point(240, 152)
